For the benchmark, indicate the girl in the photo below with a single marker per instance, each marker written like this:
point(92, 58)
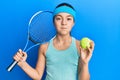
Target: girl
point(63, 57)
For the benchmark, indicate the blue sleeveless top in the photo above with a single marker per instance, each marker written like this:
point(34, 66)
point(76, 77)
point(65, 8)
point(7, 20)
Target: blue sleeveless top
point(62, 64)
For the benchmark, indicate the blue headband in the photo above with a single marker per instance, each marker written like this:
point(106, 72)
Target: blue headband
point(66, 10)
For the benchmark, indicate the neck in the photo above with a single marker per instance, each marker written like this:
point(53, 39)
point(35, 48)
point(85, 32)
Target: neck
point(62, 42)
point(62, 38)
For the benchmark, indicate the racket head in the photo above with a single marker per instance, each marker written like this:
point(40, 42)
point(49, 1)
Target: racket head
point(41, 27)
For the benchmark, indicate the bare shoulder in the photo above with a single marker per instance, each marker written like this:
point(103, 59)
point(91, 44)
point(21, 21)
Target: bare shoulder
point(43, 48)
point(78, 45)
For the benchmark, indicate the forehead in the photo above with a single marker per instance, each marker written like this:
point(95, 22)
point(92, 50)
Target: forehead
point(63, 14)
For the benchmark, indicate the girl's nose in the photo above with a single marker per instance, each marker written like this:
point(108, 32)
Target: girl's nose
point(64, 22)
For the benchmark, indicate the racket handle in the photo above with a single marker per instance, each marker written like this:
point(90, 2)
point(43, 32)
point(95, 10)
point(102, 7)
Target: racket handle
point(11, 66)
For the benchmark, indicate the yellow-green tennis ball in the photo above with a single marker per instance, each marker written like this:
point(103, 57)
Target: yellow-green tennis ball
point(85, 42)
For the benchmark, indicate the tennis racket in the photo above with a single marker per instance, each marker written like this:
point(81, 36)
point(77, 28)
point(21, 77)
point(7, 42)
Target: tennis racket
point(40, 30)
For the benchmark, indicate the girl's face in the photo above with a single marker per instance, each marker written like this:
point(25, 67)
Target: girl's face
point(63, 23)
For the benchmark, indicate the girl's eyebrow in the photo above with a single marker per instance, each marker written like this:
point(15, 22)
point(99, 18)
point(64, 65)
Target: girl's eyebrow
point(59, 15)
point(66, 16)
point(69, 16)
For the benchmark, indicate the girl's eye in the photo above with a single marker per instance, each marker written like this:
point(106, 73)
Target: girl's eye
point(58, 18)
point(69, 19)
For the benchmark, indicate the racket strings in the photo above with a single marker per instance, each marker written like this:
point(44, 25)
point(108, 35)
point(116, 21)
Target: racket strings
point(42, 28)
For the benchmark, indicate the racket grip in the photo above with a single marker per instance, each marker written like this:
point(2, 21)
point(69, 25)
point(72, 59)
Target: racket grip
point(11, 66)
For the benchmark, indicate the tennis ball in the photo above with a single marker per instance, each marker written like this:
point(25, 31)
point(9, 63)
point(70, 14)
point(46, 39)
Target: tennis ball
point(85, 42)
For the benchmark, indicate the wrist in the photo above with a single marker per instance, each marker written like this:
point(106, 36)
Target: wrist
point(21, 63)
point(84, 65)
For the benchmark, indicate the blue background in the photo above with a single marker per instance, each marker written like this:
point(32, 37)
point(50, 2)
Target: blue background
point(96, 19)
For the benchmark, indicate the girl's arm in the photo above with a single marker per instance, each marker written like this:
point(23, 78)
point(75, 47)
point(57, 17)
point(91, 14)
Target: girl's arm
point(37, 73)
point(85, 56)
point(83, 72)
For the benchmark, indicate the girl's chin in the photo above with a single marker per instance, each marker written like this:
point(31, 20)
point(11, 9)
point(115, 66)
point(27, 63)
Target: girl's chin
point(64, 33)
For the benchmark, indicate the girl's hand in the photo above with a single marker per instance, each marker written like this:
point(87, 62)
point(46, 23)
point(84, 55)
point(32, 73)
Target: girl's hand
point(86, 54)
point(20, 56)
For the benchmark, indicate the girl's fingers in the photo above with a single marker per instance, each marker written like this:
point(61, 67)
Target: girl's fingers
point(21, 52)
point(89, 51)
point(19, 55)
point(80, 49)
point(16, 57)
point(25, 54)
point(92, 45)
